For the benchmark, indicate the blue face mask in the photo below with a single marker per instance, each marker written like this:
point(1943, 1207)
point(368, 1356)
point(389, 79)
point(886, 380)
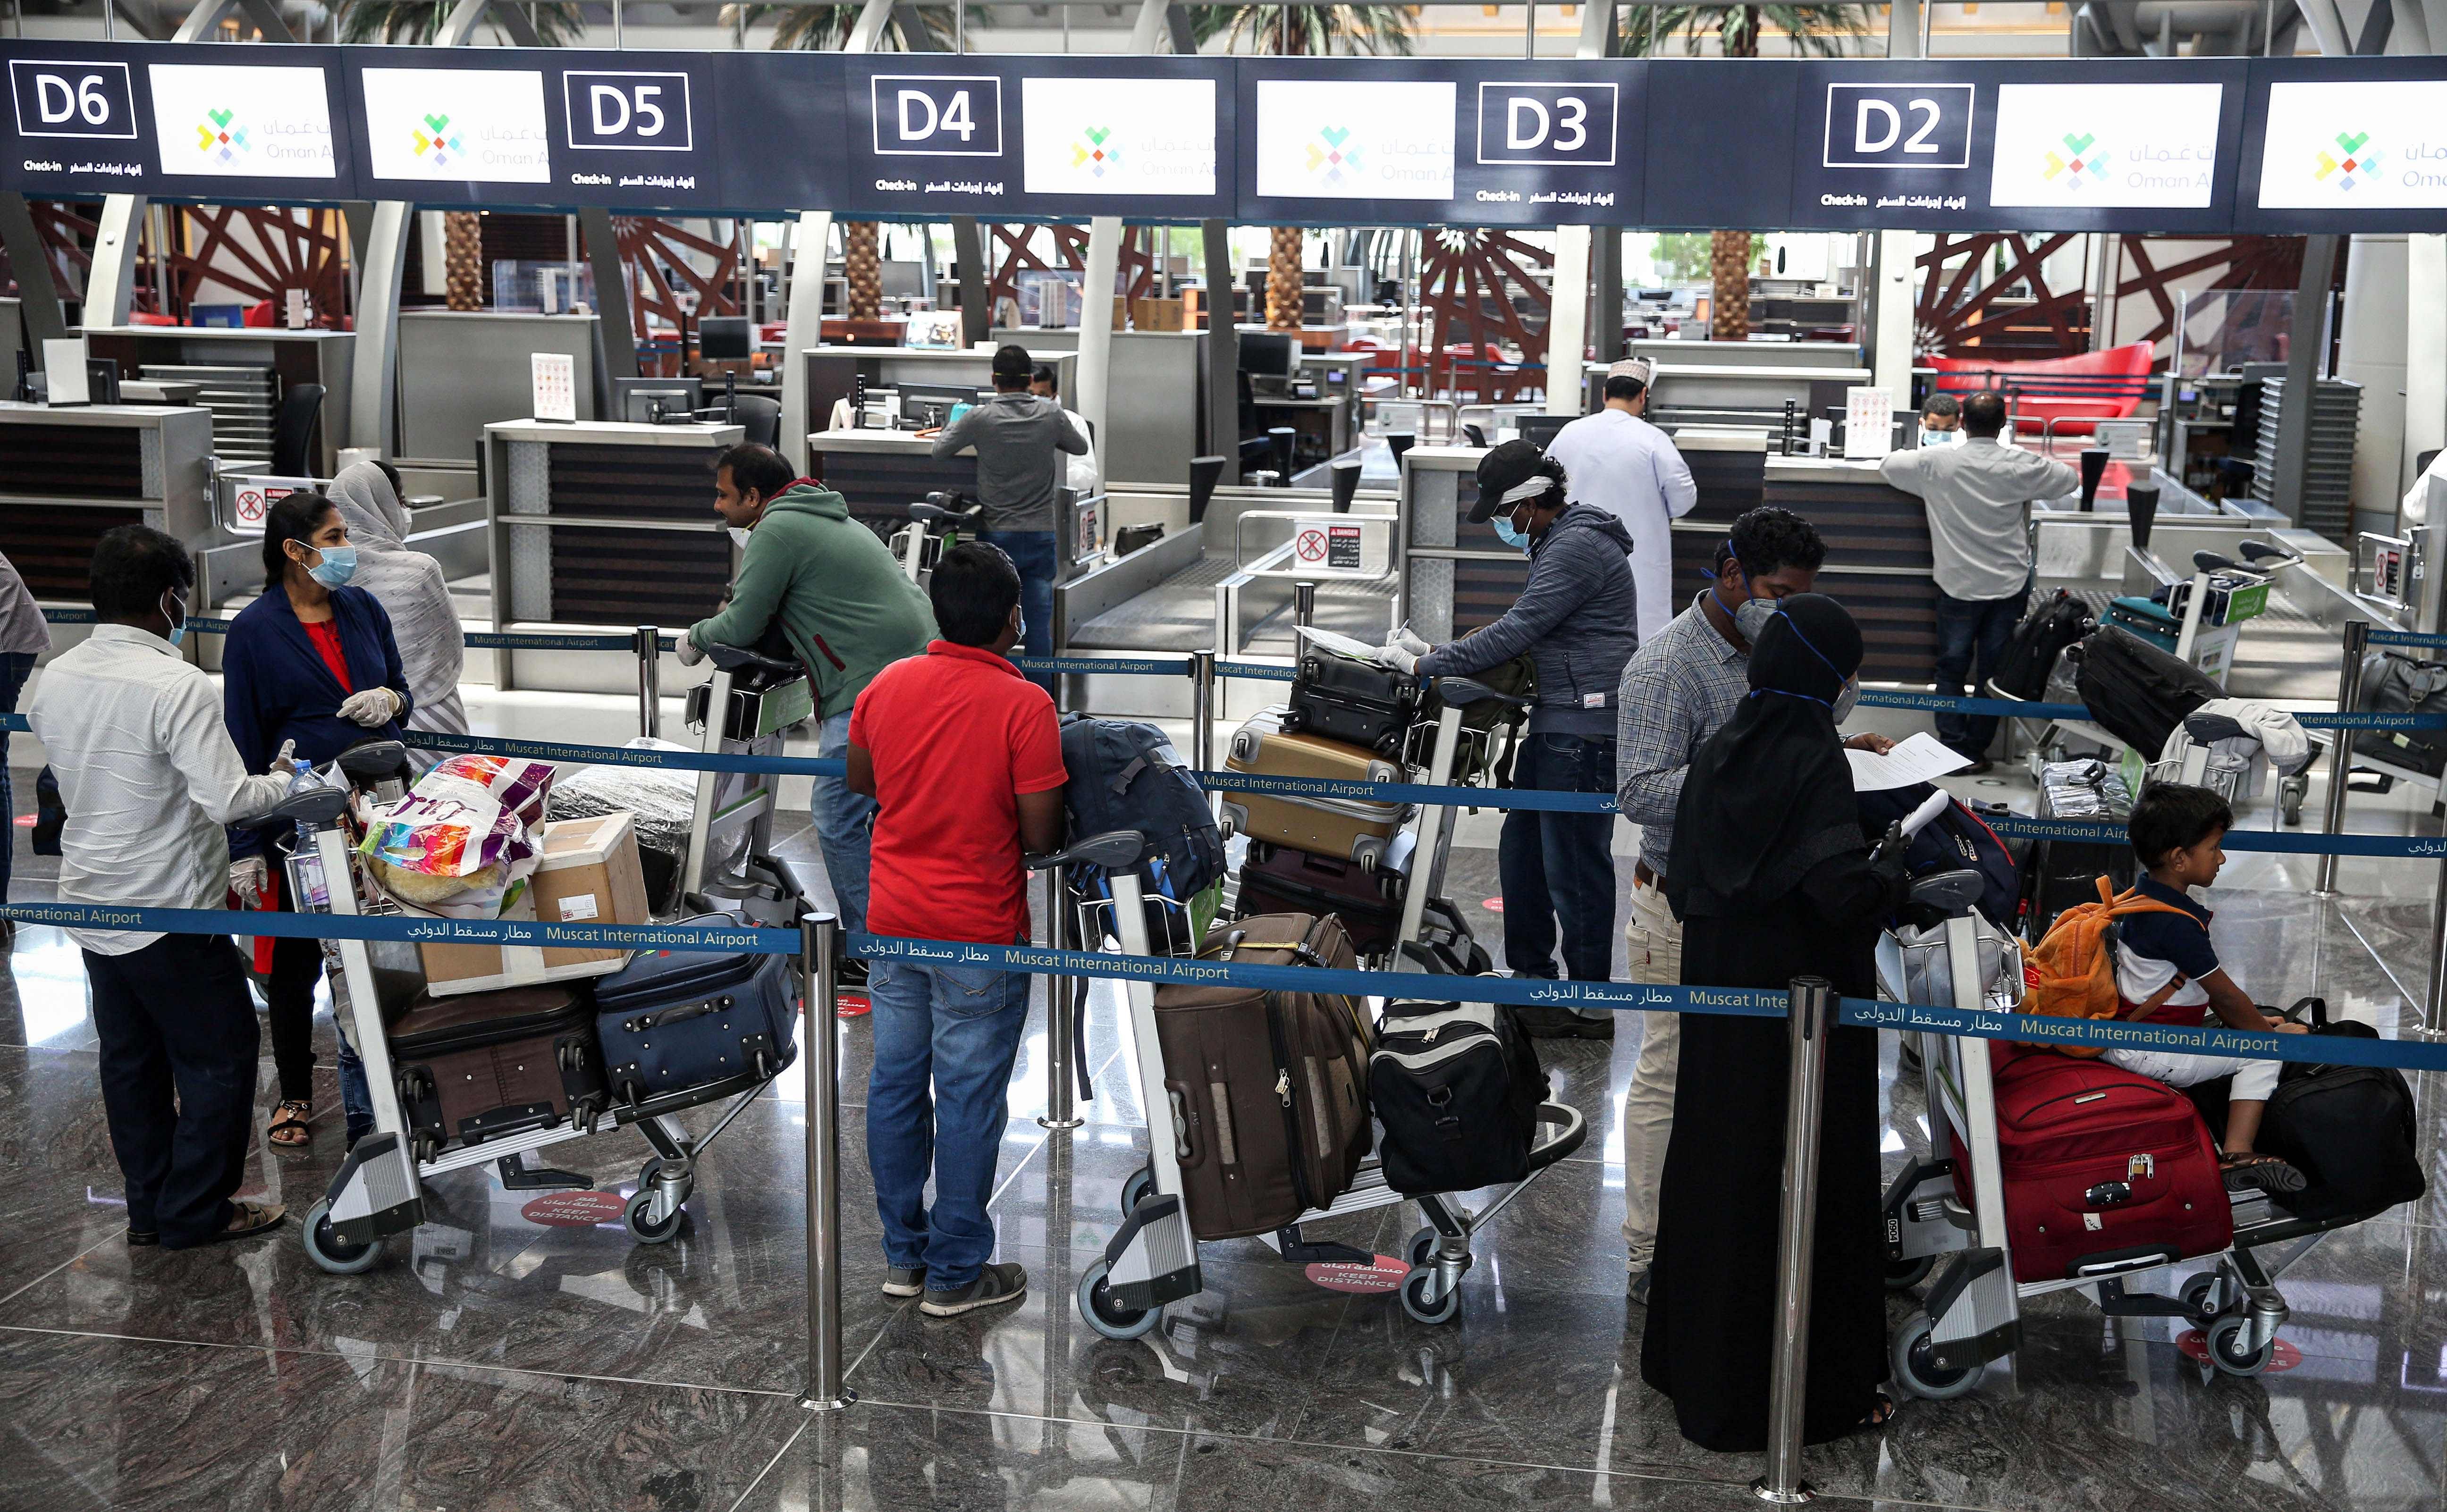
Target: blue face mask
point(1506, 534)
point(178, 616)
point(338, 565)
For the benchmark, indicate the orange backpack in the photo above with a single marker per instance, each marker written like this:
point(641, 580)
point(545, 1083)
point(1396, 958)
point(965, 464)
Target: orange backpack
point(2072, 973)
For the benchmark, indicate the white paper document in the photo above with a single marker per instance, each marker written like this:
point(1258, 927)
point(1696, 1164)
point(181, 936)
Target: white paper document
point(1338, 644)
point(1920, 758)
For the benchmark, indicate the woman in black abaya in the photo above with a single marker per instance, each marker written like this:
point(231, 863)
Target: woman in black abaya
point(1772, 880)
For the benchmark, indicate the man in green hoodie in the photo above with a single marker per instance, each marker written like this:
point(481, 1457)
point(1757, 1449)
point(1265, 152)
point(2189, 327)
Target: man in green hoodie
point(848, 612)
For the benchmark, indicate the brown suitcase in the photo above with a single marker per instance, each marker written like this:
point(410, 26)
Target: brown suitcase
point(1268, 1091)
point(478, 1066)
point(1345, 828)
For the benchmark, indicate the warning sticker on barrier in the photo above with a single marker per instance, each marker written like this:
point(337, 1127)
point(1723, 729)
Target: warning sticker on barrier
point(1342, 546)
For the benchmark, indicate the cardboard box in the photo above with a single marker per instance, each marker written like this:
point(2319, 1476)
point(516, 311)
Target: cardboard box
point(588, 873)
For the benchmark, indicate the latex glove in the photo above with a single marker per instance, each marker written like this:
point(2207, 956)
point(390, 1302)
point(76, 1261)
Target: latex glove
point(285, 763)
point(250, 880)
point(374, 709)
point(1398, 656)
point(689, 654)
point(1409, 642)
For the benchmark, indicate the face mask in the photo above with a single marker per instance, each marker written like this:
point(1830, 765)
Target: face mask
point(177, 609)
point(1847, 700)
point(338, 565)
point(1020, 632)
point(739, 537)
point(1506, 534)
point(1938, 438)
point(1751, 619)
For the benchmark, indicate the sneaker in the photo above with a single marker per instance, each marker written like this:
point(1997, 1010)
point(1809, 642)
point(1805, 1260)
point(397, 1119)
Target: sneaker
point(140, 1239)
point(1540, 1022)
point(1636, 1289)
point(2255, 1172)
point(250, 1218)
point(994, 1285)
point(904, 1280)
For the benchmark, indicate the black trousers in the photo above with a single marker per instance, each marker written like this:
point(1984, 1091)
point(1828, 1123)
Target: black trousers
point(288, 1000)
point(178, 1054)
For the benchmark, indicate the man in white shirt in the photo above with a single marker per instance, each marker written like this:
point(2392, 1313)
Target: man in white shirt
point(24, 638)
point(1979, 495)
point(150, 776)
point(1081, 475)
point(1629, 468)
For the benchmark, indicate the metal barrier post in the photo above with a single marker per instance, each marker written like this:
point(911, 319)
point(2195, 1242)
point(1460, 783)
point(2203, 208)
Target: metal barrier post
point(1202, 708)
point(2434, 1009)
point(1062, 1001)
point(1304, 606)
point(2341, 754)
point(820, 1053)
point(649, 681)
point(1811, 1010)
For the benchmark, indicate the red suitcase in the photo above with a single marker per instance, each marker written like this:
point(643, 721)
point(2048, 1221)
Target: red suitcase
point(2102, 1165)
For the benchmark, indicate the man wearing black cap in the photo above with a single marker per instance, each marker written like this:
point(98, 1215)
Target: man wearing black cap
point(1577, 620)
point(1020, 439)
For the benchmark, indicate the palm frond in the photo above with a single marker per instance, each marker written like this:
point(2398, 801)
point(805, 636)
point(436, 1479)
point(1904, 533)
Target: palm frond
point(827, 29)
point(1307, 32)
point(1814, 31)
point(558, 23)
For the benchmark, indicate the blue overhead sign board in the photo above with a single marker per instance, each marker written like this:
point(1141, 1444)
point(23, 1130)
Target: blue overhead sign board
point(2340, 144)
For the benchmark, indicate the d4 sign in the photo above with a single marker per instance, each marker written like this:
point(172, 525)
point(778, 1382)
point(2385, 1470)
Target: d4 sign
point(1899, 125)
point(1568, 124)
point(938, 116)
point(628, 112)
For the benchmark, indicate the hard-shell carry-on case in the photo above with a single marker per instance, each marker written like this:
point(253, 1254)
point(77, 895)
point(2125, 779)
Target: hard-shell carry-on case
point(2062, 872)
point(1279, 880)
point(1353, 829)
point(1457, 1086)
point(707, 1023)
point(1267, 1091)
point(482, 1065)
point(1358, 702)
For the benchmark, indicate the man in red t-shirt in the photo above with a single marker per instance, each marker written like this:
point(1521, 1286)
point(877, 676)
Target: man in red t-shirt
point(963, 757)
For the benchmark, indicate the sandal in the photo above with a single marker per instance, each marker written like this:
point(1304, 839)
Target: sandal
point(1881, 1414)
point(2249, 1170)
point(288, 1128)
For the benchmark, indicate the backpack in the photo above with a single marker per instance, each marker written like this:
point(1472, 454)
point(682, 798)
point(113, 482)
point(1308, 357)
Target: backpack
point(2136, 692)
point(2350, 1130)
point(2072, 973)
point(2400, 685)
point(2031, 654)
point(1456, 1087)
point(1126, 775)
point(1955, 839)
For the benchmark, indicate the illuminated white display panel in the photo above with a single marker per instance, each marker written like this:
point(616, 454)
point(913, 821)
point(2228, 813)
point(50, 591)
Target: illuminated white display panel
point(2071, 145)
point(2376, 145)
point(242, 122)
point(467, 125)
point(1118, 136)
point(1346, 139)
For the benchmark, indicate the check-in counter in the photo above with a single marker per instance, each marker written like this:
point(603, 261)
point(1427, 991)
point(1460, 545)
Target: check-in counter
point(68, 474)
point(243, 373)
point(1155, 422)
point(601, 524)
point(1720, 393)
point(833, 372)
point(880, 473)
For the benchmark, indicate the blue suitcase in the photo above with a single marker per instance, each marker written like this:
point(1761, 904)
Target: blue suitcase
point(680, 1028)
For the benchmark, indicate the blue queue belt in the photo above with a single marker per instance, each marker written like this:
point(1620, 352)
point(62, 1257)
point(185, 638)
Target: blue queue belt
point(2407, 637)
point(1527, 991)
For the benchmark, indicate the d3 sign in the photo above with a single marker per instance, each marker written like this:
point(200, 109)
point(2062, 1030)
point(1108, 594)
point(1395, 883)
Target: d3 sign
point(936, 116)
point(628, 112)
point(1901, 126)
point(1563, 124)
point(72, 99)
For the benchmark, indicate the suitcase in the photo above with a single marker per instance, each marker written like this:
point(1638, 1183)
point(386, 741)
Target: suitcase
point(1955, 839)
point(2060, 873)
point(478, 1066)
point(2137, 692)
point(1357, 702)
point(1457, 1086)
point(2399, 685)
point(2100, 1165)
point(1347, 828)
point(2148, 619)
point(2037, 641)
point(1367, 901)
point(708, 1022)
point(1267, 1090)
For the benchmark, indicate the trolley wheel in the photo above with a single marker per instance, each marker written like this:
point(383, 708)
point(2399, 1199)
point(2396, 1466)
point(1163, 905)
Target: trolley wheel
point(1423, 1244)
point(1136, 1190)
point(2196, 1299)
point(646, 1172)
point(1917, 1373)
point(327, 1251)
point(1902, 1276)
point(1108, 1317)
point(651, 1233)
point(2226, 1349)
point(1417, 1287)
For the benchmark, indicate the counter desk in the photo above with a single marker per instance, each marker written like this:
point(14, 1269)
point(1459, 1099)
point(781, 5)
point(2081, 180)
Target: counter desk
point(70, 473)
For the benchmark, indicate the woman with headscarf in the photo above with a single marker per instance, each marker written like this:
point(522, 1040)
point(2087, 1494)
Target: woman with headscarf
point(410, 586)
point(1773, 880)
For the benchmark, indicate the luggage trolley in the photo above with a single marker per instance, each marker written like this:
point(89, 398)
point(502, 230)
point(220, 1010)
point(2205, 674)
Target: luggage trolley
point(1972, 1313)
point(378, 1191)
point(935, 525)
point(731, 830)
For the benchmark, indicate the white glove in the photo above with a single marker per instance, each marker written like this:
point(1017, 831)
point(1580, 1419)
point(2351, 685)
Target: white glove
point(690, 652)
point(374, 709)
point(1409, 642)
point(285, 763)
point(250, 880)
point(1399, 657)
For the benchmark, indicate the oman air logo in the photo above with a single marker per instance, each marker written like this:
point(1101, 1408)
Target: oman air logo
point(2354, 161)
point(1332, 155)
point(2082, 163)
point(216, 138)
point(437, 145)
point(1095, 150)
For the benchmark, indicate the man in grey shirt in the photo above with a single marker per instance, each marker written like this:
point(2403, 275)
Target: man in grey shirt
point(1979, 494)
point(1019, 439)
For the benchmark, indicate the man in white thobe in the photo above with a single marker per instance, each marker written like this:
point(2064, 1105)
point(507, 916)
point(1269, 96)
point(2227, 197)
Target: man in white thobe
point(1629, 468)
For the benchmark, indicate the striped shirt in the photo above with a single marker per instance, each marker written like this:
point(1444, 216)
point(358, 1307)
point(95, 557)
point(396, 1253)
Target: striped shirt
point(1680, 689)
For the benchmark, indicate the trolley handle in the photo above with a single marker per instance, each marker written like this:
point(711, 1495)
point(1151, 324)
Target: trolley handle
point(1461, 691)
point(1114, 851)
point(739, 659)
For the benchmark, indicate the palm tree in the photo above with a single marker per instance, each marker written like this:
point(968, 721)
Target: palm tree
point(827, 29)
point(1293, 31)
point(558, 23)
point(1816, 31)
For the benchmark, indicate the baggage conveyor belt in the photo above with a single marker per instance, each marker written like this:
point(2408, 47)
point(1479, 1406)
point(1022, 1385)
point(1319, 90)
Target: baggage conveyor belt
point(1179, 614)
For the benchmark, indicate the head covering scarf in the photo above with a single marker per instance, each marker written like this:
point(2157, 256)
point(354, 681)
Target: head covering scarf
point(1769, 795)
point(409, 585)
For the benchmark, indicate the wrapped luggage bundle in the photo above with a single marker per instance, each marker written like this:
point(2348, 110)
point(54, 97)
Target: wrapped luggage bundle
point(461, 844)
point(661, 802)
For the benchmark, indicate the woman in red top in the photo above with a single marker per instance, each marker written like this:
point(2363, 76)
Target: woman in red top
point(311, 661)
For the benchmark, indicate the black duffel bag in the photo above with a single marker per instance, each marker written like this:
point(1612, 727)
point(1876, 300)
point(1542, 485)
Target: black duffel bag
point(2037, 641)
point(2135, 691)
point(1456, 1087)
point(2399, 685)
point(2349, 1129)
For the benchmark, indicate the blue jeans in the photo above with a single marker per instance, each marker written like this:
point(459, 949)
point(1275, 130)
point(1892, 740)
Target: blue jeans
point(15, 669)
point(1031, 552)
point(956, 1027)
point(1559, 867)
point(356, 1093)
point(844, 824)
point(1971, 636)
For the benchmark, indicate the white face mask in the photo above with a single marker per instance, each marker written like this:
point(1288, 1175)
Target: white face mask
point(1753, 617)
point(1847, 700)
point(739, 538)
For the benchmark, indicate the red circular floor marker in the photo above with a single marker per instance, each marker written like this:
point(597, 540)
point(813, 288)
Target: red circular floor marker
point(575, 1209)
point(1494, 906)
point(1384, 1275)
point(26, 820)
point(2195, 1346)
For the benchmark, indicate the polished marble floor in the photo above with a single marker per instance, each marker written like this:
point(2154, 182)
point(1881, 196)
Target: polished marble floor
point(494, 1361)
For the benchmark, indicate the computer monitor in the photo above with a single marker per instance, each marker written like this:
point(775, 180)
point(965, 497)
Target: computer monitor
point(932, 405)
point(1539, 430)
point(1269, 354)
point(637, 400)
point(725, 338)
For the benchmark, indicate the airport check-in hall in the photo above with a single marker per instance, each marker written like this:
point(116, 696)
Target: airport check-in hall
point(1175, 755)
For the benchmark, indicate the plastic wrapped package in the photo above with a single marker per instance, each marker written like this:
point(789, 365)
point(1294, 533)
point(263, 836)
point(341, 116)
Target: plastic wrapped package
point(662, 801)
point(459, 845)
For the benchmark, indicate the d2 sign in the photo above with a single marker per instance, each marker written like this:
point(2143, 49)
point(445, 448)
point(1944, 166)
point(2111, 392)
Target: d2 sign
point(936, 116)
point(1560, 123)
point(1899, 125)
point(57, 98)
point(628, 112)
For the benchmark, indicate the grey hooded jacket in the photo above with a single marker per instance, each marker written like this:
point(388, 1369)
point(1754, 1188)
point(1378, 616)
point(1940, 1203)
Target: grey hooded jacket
point(1578, 618)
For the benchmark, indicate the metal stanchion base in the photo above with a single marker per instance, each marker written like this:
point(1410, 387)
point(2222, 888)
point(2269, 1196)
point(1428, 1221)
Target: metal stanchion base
point(1800, 1493)
point(835, 1404)
point(1061, 1122)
